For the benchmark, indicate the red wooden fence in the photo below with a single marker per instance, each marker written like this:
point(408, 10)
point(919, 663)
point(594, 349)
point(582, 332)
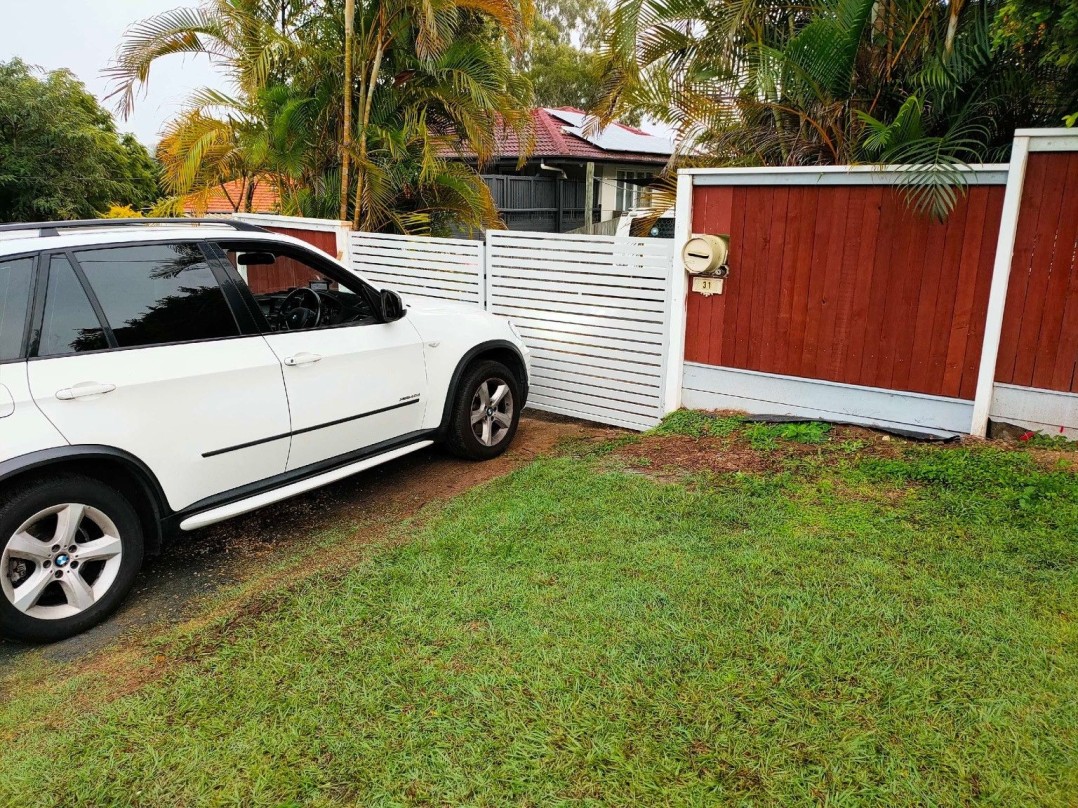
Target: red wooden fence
point(322, 239)
point(1039, 341)
point(845, 283)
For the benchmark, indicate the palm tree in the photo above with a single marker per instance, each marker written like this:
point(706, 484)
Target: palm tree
point(417, 76)
point(346, 97)
point(766, 82)
point(451, 77)
point(253, 41)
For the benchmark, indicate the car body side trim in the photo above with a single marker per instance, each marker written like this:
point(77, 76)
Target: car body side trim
point(287, 478)
point(282, 436)
point(222, 512)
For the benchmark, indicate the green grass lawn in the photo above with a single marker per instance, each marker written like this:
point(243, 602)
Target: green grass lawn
point(852, 629)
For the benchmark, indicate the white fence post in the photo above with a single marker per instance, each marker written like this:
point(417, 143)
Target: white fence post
point(484, 269)
point(997, 297)
point(344, 242)
point(679, 298)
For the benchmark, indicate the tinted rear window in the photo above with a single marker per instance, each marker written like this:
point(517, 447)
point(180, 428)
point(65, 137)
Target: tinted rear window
point(158, 293)
point(69, 324)
point(15, 278)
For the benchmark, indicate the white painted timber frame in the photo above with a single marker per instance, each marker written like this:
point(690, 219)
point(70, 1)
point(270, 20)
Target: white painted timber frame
point(714, 388)
point(997, 295)
point(679, 296)
point(1026, 141)
point(982, 174)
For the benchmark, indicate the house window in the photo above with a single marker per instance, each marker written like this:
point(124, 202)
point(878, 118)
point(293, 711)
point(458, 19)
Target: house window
point(630, 195)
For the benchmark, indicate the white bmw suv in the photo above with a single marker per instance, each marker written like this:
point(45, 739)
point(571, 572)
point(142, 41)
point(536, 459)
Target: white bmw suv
point(157, 376)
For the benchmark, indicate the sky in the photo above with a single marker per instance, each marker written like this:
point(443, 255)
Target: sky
point(82, 35)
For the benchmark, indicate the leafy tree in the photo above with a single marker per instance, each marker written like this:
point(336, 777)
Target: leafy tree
point(424, 76)
point(580, 21)
point(1047, 27)
point(773, 82)
point(60, 154)
point(562, 59)
point(561, 74)
point(121, 212)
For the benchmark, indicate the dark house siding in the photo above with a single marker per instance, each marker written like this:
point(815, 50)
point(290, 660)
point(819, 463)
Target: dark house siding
point(540, 204)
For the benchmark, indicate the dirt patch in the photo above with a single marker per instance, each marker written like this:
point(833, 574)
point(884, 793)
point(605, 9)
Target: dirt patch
point(662, 456)
point(1056, 460)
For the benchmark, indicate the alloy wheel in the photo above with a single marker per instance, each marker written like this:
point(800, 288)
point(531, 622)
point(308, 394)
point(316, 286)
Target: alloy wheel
point(60, 561)
point(492, 411)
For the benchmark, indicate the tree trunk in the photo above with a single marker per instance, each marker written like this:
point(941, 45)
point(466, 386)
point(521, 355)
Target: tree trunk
point(952, 26)
point(371, 84)
point(346, 147)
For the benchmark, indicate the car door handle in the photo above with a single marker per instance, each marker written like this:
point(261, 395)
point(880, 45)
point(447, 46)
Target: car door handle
point(84, 390)
point(302, 359)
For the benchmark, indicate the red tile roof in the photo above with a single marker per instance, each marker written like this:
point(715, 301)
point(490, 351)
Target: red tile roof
point(551, 140)
point(264, 200)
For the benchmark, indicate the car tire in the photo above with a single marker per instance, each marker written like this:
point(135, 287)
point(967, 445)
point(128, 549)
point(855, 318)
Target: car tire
point(482, 426)
point(78, 545)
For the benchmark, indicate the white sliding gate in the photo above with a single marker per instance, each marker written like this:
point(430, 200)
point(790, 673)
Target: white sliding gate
point(440, 268)
point(594, 310)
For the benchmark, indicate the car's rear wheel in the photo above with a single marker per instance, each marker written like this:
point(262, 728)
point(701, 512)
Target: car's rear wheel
point(486, 412)
point(70, 549)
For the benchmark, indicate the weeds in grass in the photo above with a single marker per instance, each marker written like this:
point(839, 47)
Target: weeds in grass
point(585, 448)
point(1012, 477)
point(1027, 509)
point(1038, 440)
point(765, 437)
point(697, 424)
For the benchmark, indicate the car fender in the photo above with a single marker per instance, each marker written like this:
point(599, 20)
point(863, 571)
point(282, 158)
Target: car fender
point(462, 364)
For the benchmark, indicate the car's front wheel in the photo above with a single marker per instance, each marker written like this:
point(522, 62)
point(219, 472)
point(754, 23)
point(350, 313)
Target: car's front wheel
point(70, 549)
point(486, 411)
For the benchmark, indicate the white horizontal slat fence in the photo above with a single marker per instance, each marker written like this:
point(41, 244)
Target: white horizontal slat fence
point(595, 312)
point(419, 266)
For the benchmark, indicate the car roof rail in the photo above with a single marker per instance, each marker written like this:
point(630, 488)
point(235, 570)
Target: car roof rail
point(54, 228)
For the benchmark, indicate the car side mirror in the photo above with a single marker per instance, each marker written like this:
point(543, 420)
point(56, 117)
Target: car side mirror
point(392, 306)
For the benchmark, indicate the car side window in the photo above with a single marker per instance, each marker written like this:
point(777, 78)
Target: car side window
point(69, 324)
point(15, 278)
point(154, 294)
point(293, 292)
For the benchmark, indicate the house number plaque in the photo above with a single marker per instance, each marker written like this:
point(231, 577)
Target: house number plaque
point(707, 286)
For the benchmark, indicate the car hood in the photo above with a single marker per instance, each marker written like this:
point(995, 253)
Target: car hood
point(464, 324)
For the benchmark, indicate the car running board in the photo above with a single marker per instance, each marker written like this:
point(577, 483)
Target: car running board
point(242, 506)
